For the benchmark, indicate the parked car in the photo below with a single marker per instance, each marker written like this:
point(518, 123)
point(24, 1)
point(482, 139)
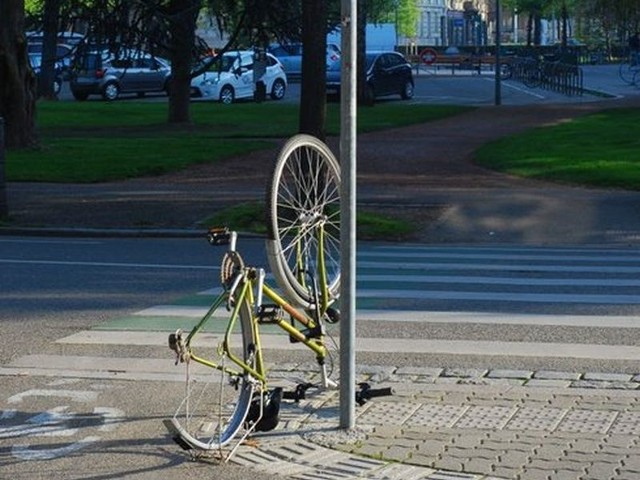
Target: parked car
point(388, 73)
point(290, 55)
point(35, 60)
point(69, 38)
point(64, 55)
point(230, 77)
point(100, 73)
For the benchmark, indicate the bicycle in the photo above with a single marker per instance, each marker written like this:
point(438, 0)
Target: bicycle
point(531, 72)
point(629, 69)
point(303, 223)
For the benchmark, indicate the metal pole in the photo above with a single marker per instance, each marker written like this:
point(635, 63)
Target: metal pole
point(4, 207)
point(348, 214)
point(498, 45)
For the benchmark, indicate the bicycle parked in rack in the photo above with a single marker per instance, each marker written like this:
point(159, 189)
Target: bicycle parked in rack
point(236, 397)
point(532, 73)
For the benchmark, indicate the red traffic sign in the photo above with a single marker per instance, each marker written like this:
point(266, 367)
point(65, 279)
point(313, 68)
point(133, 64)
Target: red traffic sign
point(428, 56)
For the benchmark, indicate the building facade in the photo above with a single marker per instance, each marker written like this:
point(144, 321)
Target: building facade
point(471, 23)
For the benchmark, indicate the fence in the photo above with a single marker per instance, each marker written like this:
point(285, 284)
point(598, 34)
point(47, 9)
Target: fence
point(564, 78)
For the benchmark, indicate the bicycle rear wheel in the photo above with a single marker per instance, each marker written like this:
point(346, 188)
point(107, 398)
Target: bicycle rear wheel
point(217, 399)
point(303, 221)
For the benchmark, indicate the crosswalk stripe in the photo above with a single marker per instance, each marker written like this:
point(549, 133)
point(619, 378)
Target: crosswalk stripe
point(521, 257)
point(485, 280)
point(501, 297)
point(404, 284)
point(523, 267)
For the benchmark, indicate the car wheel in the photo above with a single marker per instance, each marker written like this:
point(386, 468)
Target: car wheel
point(80, 96)
point(369, 95)
point(110, 91)
point(278, 89)
point(227, 95)
point(407, 90)
point(505, 71)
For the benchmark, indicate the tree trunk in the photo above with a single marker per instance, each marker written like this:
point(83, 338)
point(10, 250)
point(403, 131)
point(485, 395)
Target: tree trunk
point(4, 206)
point(565, 25)
point(49, 49)
point(313, 94)
point(537, 31)
point(18, 92)
point(363, 95)
point(183, 15)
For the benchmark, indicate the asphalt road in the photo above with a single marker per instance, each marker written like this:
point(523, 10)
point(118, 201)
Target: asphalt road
point(469, 89)
point(67, 413)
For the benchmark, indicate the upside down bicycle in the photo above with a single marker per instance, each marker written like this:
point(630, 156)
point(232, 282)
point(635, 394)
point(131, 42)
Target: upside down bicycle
point(303, 245)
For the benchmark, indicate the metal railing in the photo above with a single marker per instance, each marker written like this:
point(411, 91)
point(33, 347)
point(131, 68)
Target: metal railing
point(564, 78)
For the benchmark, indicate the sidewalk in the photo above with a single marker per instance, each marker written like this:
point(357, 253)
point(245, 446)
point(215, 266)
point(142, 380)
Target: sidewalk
point(472, 424)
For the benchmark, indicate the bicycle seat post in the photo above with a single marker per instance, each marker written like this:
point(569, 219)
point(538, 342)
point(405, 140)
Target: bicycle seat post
point(261, 276)
point(233, 237)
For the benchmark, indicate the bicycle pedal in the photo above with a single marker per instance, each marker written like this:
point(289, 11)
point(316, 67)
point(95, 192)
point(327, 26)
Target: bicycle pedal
point(332, 315)
point(218, 236)
point(269, 314)
point(264, 412)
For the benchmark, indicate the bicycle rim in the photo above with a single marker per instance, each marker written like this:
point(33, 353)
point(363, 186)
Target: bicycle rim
point(303, 221)
point(216, 403)
point(627, 73)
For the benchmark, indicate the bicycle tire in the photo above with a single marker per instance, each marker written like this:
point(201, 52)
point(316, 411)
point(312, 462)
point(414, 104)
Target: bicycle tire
point(303, 221)
point(627, 73)
point(532, 78)
point(213, 412)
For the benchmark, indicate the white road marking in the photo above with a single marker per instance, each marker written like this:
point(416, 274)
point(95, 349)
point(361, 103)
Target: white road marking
point(108, 264)
point(75, 395)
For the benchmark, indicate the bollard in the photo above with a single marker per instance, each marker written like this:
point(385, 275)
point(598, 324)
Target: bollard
point(4, 208)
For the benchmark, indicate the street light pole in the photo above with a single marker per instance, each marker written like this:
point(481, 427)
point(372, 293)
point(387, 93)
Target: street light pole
point(348, 214)
point(498, 99)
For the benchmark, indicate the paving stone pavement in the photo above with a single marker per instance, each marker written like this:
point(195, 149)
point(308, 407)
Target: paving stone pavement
point(474, 425)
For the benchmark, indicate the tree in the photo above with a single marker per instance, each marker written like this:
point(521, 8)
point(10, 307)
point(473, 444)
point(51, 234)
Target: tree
point(313, 89)
point(18, 92)
point(535, 10)
point(49, 50)
point(182, 15)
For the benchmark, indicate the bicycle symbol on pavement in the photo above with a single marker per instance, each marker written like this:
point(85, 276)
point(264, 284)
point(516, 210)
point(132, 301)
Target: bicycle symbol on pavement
point(59, 422)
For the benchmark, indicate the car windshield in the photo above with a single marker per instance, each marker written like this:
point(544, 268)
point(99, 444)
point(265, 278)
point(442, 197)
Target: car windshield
point(224, 63)
point(369, 59)
point(35, 60)
point(90, 61)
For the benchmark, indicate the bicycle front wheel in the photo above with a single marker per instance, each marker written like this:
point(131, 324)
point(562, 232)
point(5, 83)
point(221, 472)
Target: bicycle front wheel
point(303, 221)
point(218, 395)
point(627, 72)
point(533, 78)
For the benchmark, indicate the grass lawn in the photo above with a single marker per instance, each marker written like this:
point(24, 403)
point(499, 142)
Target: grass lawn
point(82, 142)
point(598, 150)
point(249, 217)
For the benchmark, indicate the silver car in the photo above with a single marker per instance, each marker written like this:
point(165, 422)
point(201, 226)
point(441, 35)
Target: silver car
point(290, 56)
point(99, 73)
